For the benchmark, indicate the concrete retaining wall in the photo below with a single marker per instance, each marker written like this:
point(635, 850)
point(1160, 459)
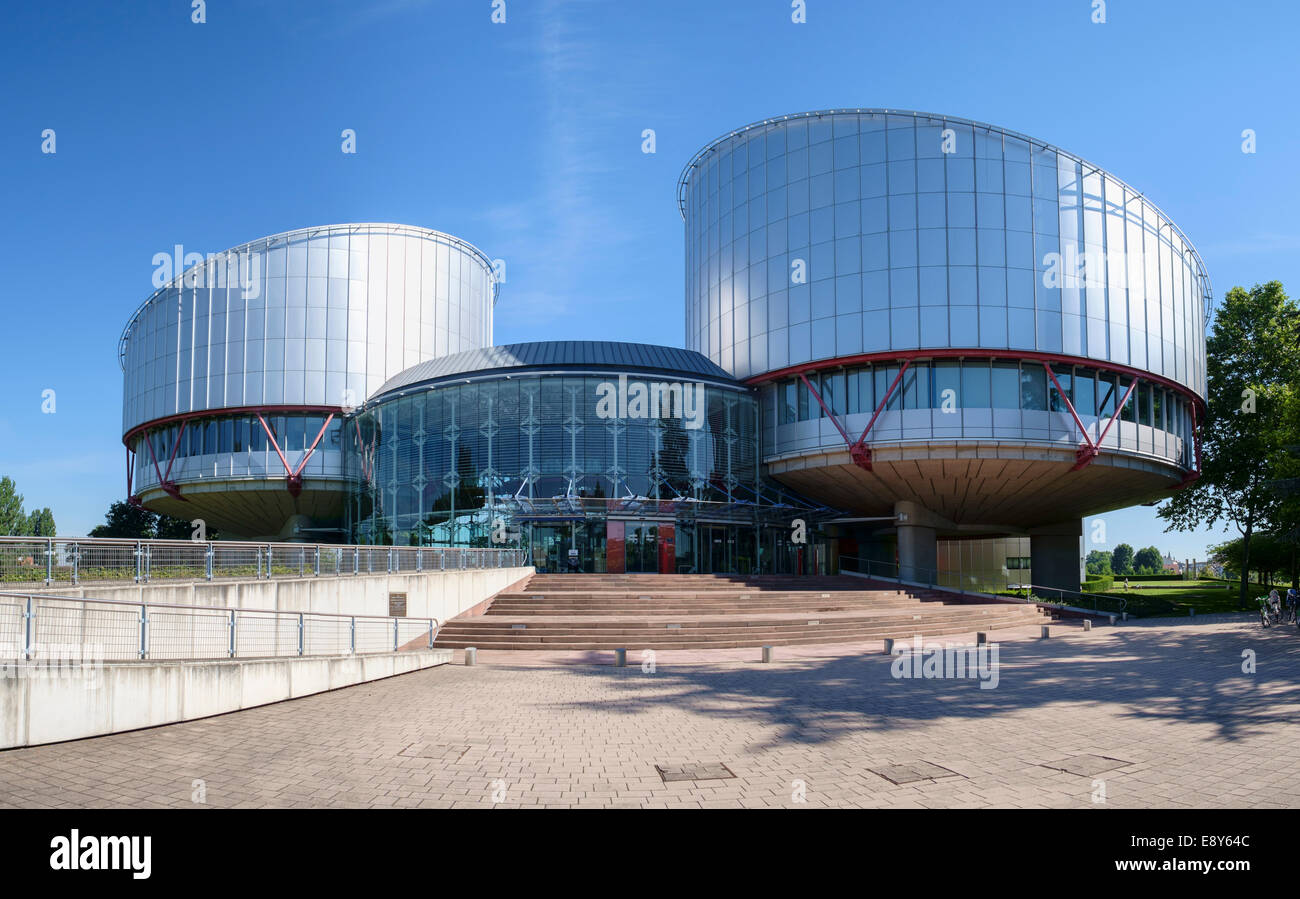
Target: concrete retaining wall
point(89, 701)
point(436, 594)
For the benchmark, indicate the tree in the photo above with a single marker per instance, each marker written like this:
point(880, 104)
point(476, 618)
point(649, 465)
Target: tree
point(126, 520)
point(1149, 561)
point(41, 523)
point(1251, 381)
point(1121, 560)
point(1098, 562)
point(12, 519)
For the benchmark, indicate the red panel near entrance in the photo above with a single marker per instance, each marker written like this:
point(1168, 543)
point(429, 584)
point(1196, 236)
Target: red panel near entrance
point(667, 549)
point(615, 549)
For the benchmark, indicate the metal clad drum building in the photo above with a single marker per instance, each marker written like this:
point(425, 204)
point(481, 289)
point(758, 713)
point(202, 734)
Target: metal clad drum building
point(946, 313)
point(233, 369)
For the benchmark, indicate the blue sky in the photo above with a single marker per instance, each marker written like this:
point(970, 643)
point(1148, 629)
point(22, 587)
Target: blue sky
point(525, 139)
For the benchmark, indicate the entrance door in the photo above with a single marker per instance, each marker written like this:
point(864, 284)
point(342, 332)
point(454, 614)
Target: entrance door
point(642, 542)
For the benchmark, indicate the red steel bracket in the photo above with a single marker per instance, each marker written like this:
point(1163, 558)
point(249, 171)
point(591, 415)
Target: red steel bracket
point(294, 475)
point(1088, 453)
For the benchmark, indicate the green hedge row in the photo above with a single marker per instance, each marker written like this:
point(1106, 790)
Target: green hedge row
point(1098, 583)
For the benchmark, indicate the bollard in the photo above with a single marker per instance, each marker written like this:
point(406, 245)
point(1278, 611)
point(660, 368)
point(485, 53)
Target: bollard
point(889, 646)
point(1123, 616)
point(471, 656)
point(620, 658)
point(1112, 620)
point(1191, 612)
point(1047, 632)
point(981, 638)
point(767, 653)
point(1087, 624)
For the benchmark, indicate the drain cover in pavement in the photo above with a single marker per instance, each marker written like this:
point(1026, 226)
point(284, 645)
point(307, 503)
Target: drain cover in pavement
point(447, 752)
point(913, 772)
point(1087, 765)
point(701, 771)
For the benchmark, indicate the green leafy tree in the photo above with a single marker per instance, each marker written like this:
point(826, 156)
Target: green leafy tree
point(1149, 561)
point(126, 520)
point(1121, 560)
point(41, 523)
point(1252, 374)
point(1098, 562)
point(12, 519)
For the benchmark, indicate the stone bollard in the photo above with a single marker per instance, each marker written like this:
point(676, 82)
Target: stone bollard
point(981, 638)
point(1112, 620)
point(471, 656)
point(1087, 624)
point(620, 658)
point(1047, 632)
point(889, 646)
point(767, 654)
point(1123, 616)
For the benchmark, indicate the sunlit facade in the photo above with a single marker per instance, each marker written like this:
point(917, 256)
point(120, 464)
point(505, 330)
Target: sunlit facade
point(921, 299)
point(514, 445)
point(238, 373)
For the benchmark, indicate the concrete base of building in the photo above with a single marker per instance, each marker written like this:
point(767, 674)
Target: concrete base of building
point(1055, 556)
point(75, 702)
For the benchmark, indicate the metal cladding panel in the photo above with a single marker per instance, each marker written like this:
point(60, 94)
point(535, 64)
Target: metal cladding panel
point(318, 317)
point(824, 235)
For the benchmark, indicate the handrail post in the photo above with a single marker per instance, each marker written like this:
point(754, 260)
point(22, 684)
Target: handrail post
point(352, 644)
point(316, 563)
point(390, 560)
point(268, 561)
point(232, 634)
point(28, 617)
point(144, 630)
point(302, 561)
point(356, 560)
point(301, 628)
point(49, 561)
point(139, 560)
point(148, 562)
point(210, 559)
point(431, 620)
point(394, 635)
point(76, 563)
point(419, 559)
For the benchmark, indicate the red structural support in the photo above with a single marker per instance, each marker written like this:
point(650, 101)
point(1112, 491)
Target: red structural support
point(858, 449)
point(168, 487)
point(294, 475)
point(1088, 453)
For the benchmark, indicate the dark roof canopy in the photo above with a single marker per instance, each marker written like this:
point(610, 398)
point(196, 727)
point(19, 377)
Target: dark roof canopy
point(587, 355)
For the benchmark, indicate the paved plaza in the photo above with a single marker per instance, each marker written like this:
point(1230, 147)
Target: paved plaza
point(1147, 714)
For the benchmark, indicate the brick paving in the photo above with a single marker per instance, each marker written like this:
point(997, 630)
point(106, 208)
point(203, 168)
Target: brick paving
point(1167, 700)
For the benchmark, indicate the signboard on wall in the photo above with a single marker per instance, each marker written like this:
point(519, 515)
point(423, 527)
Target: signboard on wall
point(397, 605)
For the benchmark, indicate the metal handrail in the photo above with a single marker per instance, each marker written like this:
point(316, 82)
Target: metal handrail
point(29, 559)
point(30, 601)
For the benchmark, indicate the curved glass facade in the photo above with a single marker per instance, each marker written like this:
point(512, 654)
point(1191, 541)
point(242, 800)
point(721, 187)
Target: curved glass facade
point(834, 234)
point(977, 398)
point(533, 455)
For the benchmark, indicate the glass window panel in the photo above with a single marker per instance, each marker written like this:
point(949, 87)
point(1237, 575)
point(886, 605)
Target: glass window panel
point(946, 384)
point(975, 385)
point(1033, 388)
point(1006, 385)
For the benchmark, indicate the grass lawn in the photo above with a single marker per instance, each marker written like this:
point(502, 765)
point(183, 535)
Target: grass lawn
point(1177, 597)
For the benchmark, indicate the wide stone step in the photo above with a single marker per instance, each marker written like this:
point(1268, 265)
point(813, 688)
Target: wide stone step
point(728, 641)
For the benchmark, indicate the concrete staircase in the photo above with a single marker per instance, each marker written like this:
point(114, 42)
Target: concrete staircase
point(692, 611)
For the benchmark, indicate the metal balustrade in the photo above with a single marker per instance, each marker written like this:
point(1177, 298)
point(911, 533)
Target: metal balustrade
point(89, 560)
point(40, 628)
